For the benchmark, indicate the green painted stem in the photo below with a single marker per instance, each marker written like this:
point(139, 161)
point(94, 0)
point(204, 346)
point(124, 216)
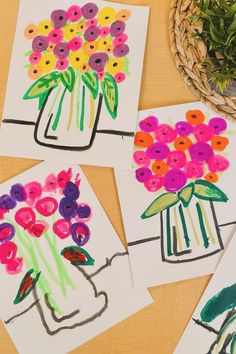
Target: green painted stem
point(58, 115)
point(168, 231)
point(202, 226)
point(182, 217)
point(81, 127)
point(54, 101)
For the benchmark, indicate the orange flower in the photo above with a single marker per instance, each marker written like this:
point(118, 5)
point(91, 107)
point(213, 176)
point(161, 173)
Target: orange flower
point(159, 167)
point(195, 117)
point(123, 15)
point(90, 47)
point(143, 139)
point(219, 142)
point(211, 177)
point(182, 143)
point(31, 31)
point(34, 72)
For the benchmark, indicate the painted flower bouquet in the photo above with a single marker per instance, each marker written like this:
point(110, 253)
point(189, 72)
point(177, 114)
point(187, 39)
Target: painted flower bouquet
point(183, 160)
point(35, 220)
point(78, 57)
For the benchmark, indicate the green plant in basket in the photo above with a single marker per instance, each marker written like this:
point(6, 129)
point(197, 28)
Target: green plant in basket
point(218, 19)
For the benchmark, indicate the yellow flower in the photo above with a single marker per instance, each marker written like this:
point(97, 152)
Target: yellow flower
point(47, 63)
point(45, 27)
point(70, 31)
point(106, 16)
point(115, 65)
point(77, 59)
point(103, 43)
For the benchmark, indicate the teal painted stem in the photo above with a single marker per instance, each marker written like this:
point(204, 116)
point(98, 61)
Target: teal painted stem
point(168, 232)
point(58, 115)
point(182, 217)
point(202, 226)
point(82, 110)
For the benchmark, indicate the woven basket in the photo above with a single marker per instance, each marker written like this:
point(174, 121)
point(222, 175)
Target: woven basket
point(188, 55)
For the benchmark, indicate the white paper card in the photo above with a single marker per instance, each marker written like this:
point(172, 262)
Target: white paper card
point(65, 276)
point(212, 326)
point(181, 241)
point(77, 99)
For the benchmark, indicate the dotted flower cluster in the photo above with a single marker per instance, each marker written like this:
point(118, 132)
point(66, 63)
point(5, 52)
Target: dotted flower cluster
point(81, 37)
point(170, 156)
point(39, 204)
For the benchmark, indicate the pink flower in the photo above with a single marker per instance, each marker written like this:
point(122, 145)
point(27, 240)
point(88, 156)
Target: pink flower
point(119, 77)
point(64, 177)
point(176, 159)
point(218, 163)
point(46, 206)
point(165, 133)
point(62, 228)
point(8, 252)
point(74, 13)
point(38, 228)
point(154, 183)
point(14, 266)
point(50, 183)
point(122, 38)
point(104, 31)
point(75, 43)
point(55, 36)
point(25, 217)
point(33, 192)
point(35, 57)
point(91, 22)
point(141, 158)
point(194, 169)
point(100, 74)
point(62, 64)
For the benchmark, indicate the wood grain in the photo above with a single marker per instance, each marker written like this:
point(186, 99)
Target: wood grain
point(156, 329)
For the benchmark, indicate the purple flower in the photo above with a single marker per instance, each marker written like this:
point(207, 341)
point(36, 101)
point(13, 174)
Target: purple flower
point(59, 18)
point(18, 192)
point(121, 50)
point(71, 191)
point(89, 10)
point(40, 43)
point(117, 28)
point(143, 174)
point(68, 208)
point(61, 50)
point(91, 33)
point(158, 151)
point(218, 124)
point(84, 211)
point(201, 152)
point(174, 180)
point(80, 233)
point(7, 232)
point(6, 202)
point(183, 128)
point(97, 61)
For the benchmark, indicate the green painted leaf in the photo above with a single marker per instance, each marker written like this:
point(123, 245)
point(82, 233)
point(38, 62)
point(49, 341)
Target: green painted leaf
point(110, 93)
point(161, 203)
point(77, 256)
point(218, 304)
point(68, 78)
point(42, 100)
point(185, 195)
point(43, 85)
point(27, 285)
point(90, 79)
point(208, 191)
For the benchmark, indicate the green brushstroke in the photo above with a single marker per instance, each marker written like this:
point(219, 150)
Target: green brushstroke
point(81, 126)
point(54, 101)
point(180, 246)
point(193, 227)
point(78, 103)
point(72, 95)
point(210, 233)
point(58, 115)
point(202, 226)
point(168, 231)
point(182, 217)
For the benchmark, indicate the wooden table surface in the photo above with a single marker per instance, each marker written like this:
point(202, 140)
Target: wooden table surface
point(156, 329)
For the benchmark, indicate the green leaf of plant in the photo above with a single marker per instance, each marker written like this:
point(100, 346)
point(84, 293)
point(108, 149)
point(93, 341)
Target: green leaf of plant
point(218, 304)
point(164, 201)
point(68, 78)
point(27, 285)
point(185, 195)
point(77, 256)
point(42, 100)
point(110, 93)
point(208, 191)
point(43, 85)
point(90, 79)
